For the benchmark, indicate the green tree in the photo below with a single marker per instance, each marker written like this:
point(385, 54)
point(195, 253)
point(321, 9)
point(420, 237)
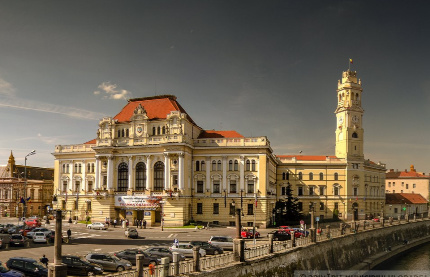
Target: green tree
point(287, 210)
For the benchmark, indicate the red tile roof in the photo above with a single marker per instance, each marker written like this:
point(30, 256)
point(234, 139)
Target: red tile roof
point(157, 107)
point(93, 141)
point(306, 158)
point(404, 174)
point(401, 198)
point(219, 134)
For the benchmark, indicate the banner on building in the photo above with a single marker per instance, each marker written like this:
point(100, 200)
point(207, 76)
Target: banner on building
point(138, 202)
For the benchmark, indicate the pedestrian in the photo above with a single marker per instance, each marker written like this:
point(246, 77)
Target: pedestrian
point(114, 223)
point(140, 223)
point(144, 224)
point(126, 222)
point(69, 234)
point(44, 260)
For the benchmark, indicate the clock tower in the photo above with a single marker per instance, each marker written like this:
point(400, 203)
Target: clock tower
point(349, 116)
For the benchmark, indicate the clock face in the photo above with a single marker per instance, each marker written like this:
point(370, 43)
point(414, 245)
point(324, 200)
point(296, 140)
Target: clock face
point(355, 119)
point(340, 120)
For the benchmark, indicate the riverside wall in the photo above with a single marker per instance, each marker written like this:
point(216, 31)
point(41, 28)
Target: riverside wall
point(359, 251)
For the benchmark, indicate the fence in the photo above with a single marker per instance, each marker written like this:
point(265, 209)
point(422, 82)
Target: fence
point(253, 252)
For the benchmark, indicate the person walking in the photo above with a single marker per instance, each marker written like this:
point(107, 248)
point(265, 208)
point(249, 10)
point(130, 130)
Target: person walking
point(44, 260)
point(69, 234)
point(114, 223)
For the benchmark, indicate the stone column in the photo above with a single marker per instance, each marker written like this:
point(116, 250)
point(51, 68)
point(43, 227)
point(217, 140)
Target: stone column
point(271, 243)
point(242, 173)
point(175, 263)
point(166, 171)
point(208, 174)
point(130, 172)
point(181, 172)
point(84, 181)
point(242, 250)
point(57, 268)
point(164, 266)
point(293, 238)
point(139, 264)
point(148, 184)
point(97, 174)
point(224, 174)
point(238, 223)
point(110, 173)
point(196, 258)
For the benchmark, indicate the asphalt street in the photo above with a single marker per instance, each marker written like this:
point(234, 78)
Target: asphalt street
point(86, 240)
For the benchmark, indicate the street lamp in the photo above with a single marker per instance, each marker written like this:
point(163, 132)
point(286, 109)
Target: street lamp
point(25, 185)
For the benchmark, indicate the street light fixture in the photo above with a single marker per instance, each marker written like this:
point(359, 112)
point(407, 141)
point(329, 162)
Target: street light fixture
point(33, 152)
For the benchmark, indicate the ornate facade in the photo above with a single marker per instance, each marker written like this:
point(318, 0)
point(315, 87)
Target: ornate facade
point(153, 162)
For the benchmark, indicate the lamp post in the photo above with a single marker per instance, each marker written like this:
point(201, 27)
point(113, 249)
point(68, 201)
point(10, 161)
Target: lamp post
point(162, 215)
point(25, 184)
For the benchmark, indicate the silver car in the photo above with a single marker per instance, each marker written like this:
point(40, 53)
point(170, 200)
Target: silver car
point(108, 262)
point(225, 242)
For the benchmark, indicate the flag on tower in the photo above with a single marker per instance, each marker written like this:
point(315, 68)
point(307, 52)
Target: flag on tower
point(350, 61)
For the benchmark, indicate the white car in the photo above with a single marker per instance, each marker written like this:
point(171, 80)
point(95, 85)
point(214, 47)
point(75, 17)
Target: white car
point(38, 230)
point(97, 225)
point(186, 249)
point(39, 237)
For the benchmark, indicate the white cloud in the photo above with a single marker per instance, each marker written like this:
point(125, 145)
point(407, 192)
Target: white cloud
point(112, 91)
point(6, 88)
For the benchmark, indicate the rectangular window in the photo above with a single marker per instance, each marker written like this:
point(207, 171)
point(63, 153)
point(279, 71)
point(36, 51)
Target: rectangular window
point(321, 206)
point(336, 206)
point(300, 206)
point(250, 209)
point(283, 191)
point(63, 204)
point(394, 183)
point(300, 191)
point(216, 208)
point(77, 186)
point(355, 191)
point(321, 190)
point(250, 186)
point(64, 186)
point(395, 210)
point(89, 206)
point(216, 187)
point(199, 186)
point(233, 186)
point(90, 186)
point(232, 207)
point(175, 180)
point(311, 190)
point(199, 208)
point(336, 190)
point(414, 186)
point(407, 186)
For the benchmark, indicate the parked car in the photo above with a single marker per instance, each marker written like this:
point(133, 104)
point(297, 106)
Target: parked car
point(225, 242)
point(301, 231)
point(26, 230)
point(4, 272)
point(186, 249)
point(249, 233)
point(209, 248)
point(6, 227)
point(288, 230)
point(280, 235)
point(39, 237)
point(17, 239)
point(162, 252)
point(15, 229)
point(77, 266)
point(97, 225)
point(130, 255)
point(2, 228)
point(131, 233)
point(38, 230)
point(108, 262)
point(33, 222)
point(28, 266)
point(376, 219)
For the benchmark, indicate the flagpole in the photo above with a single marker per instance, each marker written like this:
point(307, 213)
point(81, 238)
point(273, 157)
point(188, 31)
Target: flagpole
point(349, 65)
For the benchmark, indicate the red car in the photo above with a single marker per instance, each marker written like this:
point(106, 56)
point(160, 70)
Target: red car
point(288, 229)
point(376, 219)
point(248, 233)
point(33, 223)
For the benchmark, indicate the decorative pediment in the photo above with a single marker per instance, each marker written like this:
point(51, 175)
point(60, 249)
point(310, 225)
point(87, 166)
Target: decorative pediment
point(139, 113)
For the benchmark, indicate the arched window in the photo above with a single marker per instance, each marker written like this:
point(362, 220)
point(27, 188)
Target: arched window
point(300, 176)
point(248, 165)
point(213, 165)
point(140, 176)
point(88, 167)
point(336, 176)
point(158, 176)
point(219, 165)
point(236, 165)
point(354, 135)
point(153, 131)
point(127, 133)
point(92, 167)
point(253, 165)
point(64, 168)
point(197, 165)
point(230, 165)
point(321, 176)
point(76, 168)
point(356, 97)
point(311, 176)
point(203, 165)
point(123, 133)
point(158, 130)
point(79, 168)
point(288, 176)
point(284, 175)
point(122, 177)
point(67, 168)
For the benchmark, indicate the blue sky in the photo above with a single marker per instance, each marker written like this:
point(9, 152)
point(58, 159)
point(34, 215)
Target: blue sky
point(262, 68)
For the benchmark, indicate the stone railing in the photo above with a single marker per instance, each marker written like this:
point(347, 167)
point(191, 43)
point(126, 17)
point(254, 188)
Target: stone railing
point(209, 263)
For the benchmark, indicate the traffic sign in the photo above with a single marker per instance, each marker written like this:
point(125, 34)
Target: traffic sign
point(317, 218)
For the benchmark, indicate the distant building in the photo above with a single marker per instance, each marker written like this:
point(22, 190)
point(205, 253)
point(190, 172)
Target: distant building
point(401, 204)
point(152, 161)
point(36, 191)
point(408, 182)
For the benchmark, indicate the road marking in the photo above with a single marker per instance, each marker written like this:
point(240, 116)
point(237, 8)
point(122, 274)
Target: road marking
point(170, 235)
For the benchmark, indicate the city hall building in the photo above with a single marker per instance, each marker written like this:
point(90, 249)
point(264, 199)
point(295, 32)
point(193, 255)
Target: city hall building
point(153, 162)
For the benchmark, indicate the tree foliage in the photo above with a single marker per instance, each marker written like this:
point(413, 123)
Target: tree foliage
point(287, 210)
